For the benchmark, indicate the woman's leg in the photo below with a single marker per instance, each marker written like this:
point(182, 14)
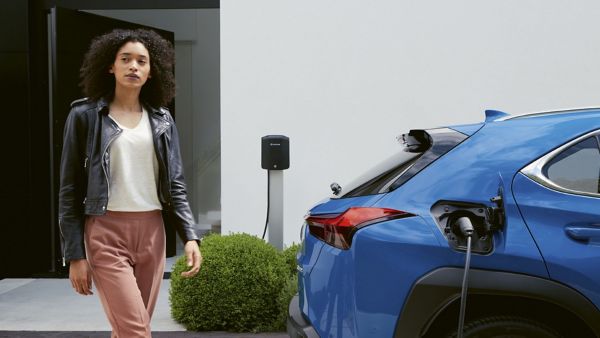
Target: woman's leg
point(117, 246)
point(150, 261)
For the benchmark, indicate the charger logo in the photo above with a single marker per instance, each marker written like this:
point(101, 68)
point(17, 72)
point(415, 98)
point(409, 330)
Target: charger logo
point(274, 144)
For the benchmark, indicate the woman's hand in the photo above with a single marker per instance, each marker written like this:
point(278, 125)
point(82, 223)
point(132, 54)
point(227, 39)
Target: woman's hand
point(80, 275)
point(194, 258)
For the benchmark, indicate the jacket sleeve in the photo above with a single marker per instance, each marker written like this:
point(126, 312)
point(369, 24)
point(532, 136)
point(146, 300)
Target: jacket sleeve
point(71, 216)
point(179, 211)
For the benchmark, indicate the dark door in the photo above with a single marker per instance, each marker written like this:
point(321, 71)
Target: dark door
point(70, 34)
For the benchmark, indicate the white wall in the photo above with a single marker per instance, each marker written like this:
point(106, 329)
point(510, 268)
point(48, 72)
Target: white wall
point(343, 78)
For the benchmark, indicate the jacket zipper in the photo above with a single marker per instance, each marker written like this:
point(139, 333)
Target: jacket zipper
point(104, 154)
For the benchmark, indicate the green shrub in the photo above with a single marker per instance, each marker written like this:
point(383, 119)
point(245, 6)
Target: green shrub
point(244, 285)
point(291, 286)
point(289, 255)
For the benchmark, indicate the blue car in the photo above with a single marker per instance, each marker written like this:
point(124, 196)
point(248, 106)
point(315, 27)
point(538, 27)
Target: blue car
point(482, 230)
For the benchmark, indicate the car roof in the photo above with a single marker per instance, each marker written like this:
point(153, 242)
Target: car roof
point(552, 116)
point(550, 113)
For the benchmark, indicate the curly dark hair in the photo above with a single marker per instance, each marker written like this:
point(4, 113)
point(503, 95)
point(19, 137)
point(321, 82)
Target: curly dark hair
point(98, 83)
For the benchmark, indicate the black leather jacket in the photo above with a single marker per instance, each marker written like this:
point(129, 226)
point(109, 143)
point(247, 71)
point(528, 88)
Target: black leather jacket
point(85, 174)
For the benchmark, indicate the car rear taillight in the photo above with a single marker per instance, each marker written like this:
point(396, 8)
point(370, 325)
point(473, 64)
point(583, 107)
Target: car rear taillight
point(338, 229)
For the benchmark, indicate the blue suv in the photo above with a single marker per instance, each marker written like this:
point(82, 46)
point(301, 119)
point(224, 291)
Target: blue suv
point(483, 230)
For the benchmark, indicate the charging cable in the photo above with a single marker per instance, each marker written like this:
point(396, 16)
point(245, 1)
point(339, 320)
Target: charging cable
point(466, 228)
point(268, 202)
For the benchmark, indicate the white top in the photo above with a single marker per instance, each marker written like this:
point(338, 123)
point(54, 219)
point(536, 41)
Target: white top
point(133, 169)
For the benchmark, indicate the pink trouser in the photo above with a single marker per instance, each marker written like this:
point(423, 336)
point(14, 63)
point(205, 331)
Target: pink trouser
point(126, 251)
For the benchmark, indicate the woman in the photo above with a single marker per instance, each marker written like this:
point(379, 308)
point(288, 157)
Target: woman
point(121, 176)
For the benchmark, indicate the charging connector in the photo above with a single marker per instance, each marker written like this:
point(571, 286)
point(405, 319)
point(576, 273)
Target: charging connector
point(466, 229)
point(465, 226)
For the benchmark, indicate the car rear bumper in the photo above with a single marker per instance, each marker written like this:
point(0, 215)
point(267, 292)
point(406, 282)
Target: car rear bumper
point(297, 325)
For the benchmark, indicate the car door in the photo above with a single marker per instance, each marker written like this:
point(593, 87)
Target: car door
point(559, 198)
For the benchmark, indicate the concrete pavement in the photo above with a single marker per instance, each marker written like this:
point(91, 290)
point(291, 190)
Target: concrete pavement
point(51, 305)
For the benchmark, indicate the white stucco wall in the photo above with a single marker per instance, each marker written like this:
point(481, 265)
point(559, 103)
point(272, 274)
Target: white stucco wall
point(343, 78)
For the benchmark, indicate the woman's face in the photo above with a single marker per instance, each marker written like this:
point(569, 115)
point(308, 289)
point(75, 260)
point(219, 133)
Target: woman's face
point(132, 66)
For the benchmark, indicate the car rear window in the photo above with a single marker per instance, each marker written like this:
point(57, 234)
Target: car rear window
point(400, 167)
point(577, 168)
point(379, 178)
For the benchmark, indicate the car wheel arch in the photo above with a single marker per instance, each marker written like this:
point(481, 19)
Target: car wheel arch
point(435, 297)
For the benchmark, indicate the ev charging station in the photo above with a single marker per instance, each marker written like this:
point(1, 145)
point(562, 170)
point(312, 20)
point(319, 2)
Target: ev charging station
point(275, 158)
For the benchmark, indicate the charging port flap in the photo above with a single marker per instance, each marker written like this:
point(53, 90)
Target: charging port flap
point(448, 214)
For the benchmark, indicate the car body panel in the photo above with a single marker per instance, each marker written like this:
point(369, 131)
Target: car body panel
point(514, 248)
point(348, 296)
point(549, 214)
point(306, 259)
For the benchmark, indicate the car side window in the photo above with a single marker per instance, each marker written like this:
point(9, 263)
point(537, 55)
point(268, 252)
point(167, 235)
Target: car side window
point(577, 167)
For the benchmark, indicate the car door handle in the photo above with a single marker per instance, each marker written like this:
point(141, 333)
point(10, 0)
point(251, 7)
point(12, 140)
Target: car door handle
point(583, 233)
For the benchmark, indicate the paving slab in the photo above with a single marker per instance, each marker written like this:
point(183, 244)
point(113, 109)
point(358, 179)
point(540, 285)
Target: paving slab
point(52, 305)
